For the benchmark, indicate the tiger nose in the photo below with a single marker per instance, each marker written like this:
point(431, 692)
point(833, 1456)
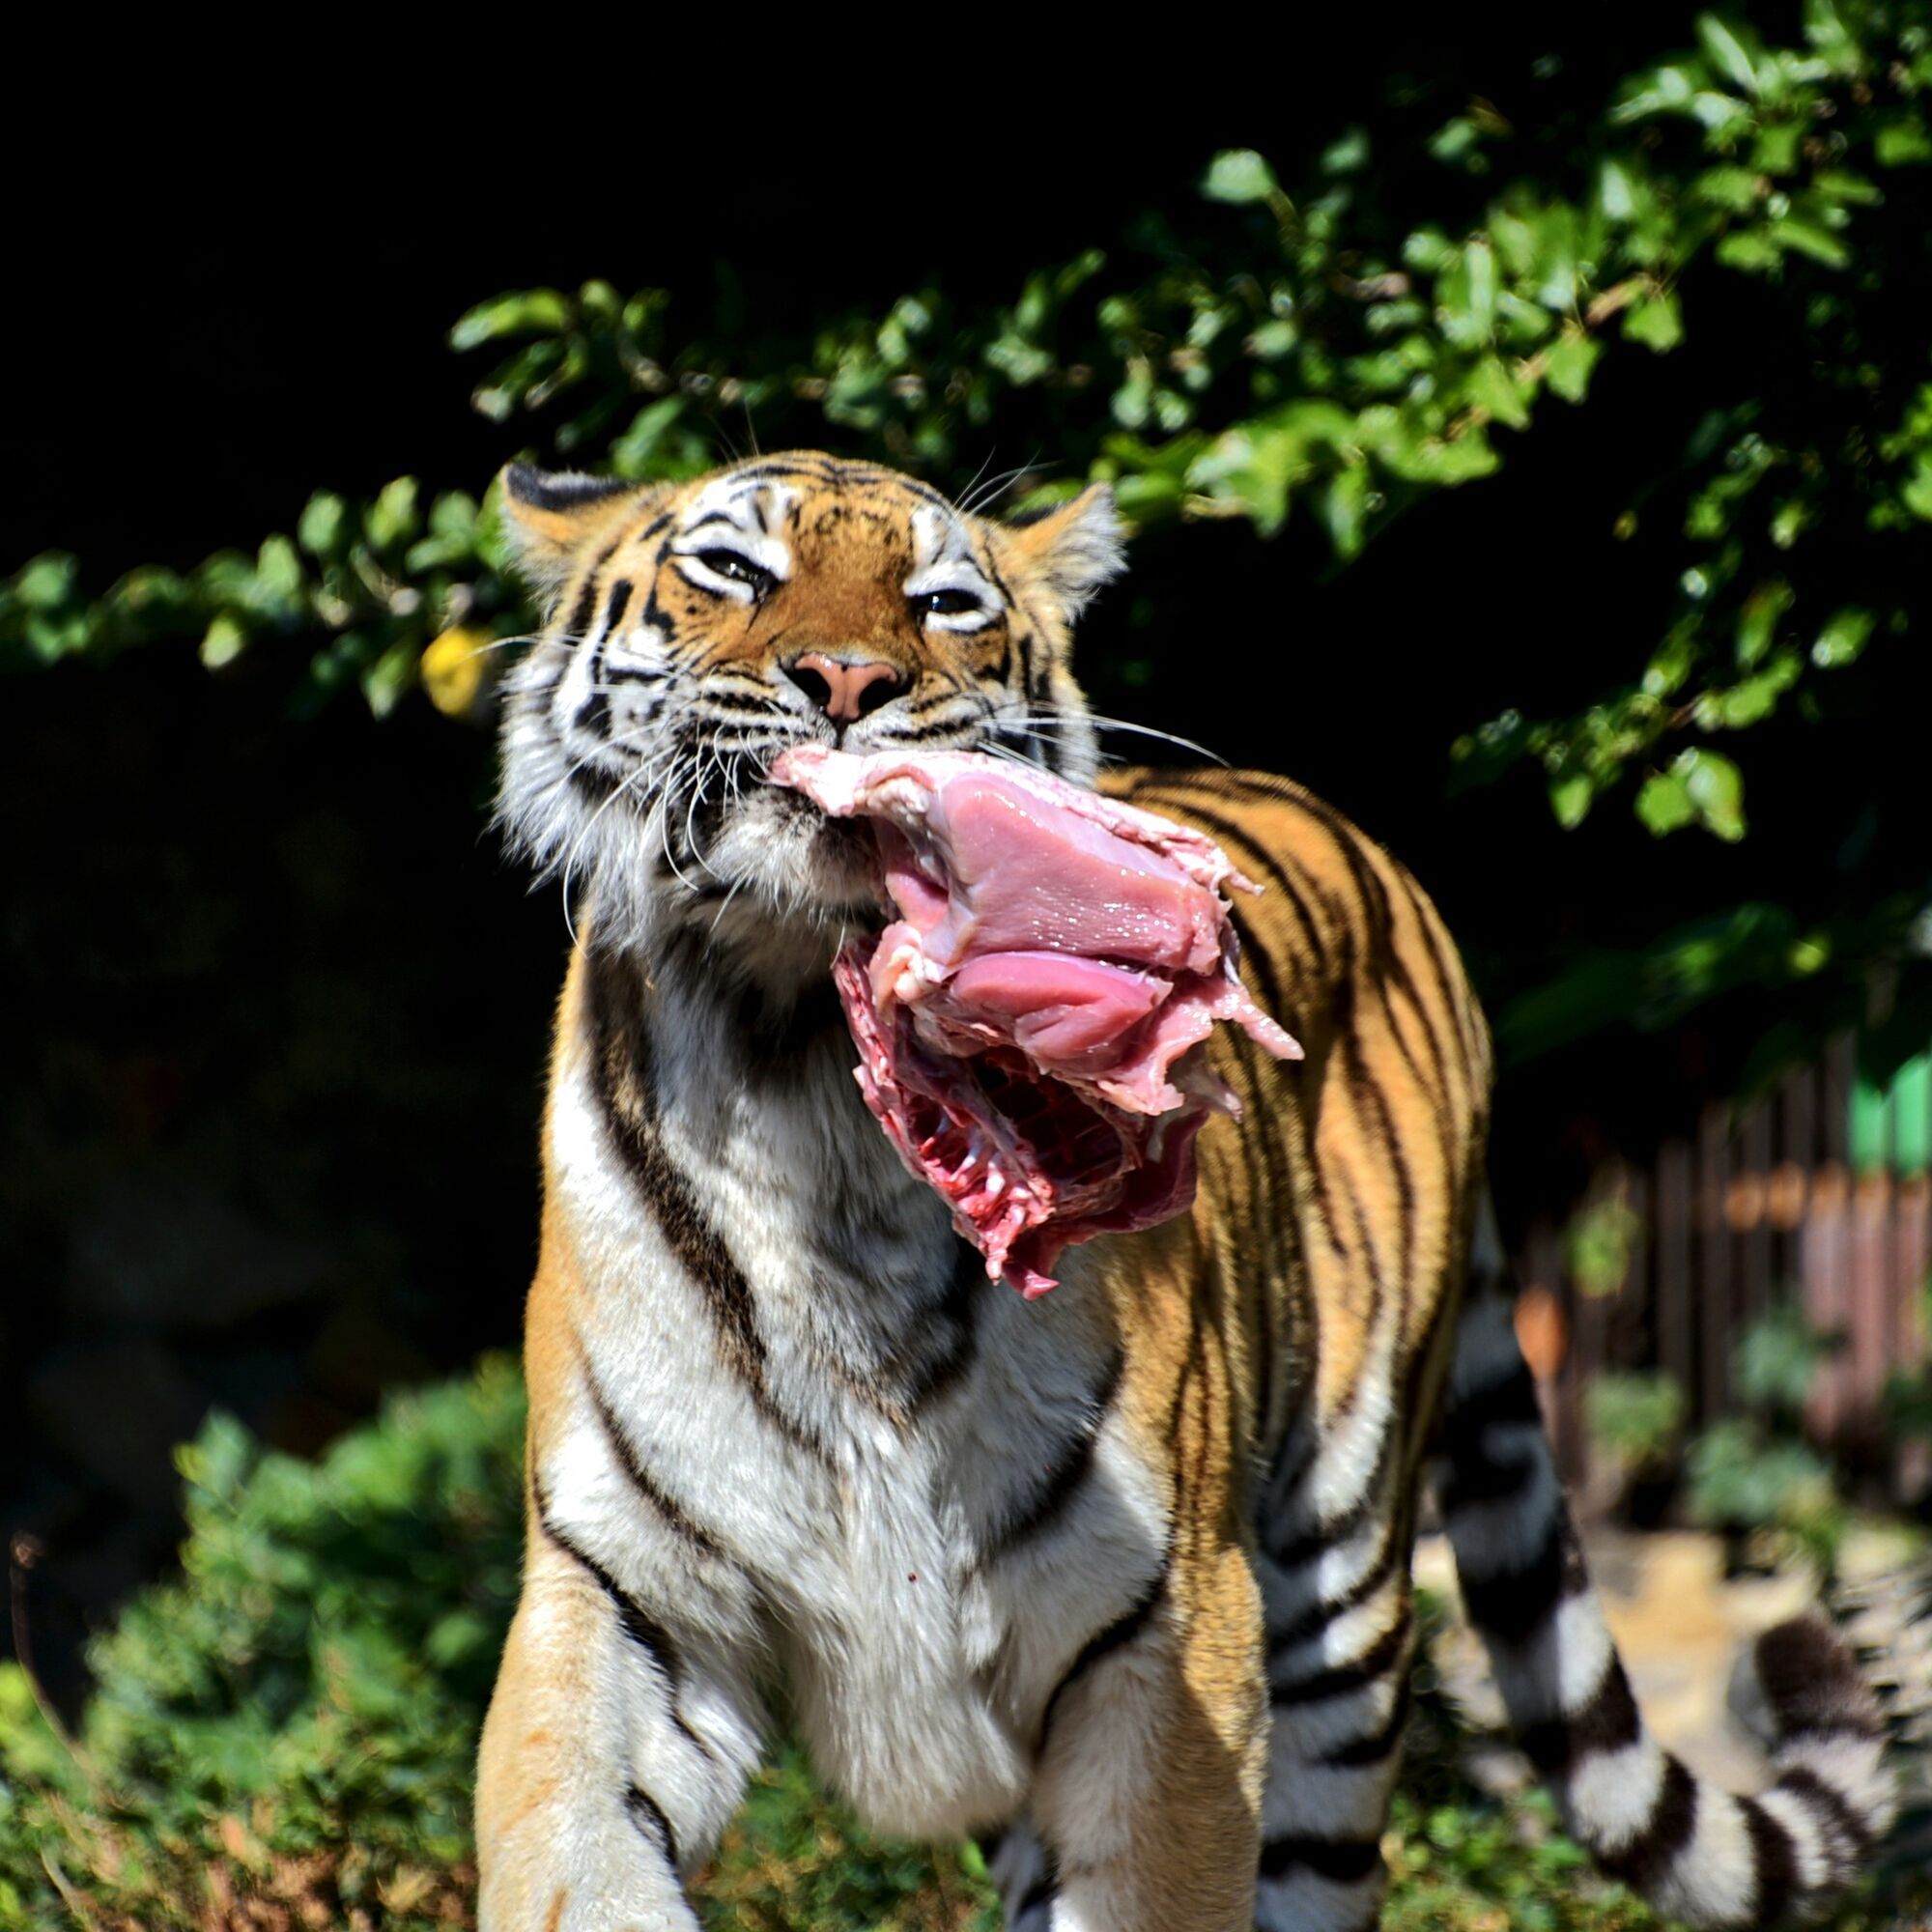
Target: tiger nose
point(845, 690)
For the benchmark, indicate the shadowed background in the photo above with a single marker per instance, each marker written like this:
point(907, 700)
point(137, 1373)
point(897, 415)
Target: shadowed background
point(267, 1109)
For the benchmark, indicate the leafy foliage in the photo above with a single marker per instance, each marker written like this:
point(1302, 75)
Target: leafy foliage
point(1331, 351)
point(1756, 1475)
point(293, 1720)
point(1635, 1416)
point(1334, 348)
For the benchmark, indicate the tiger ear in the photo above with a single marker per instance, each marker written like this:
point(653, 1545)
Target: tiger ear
point(550, 515)
point(1075, 549)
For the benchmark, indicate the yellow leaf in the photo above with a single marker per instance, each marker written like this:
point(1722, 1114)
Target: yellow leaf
point(452, 670)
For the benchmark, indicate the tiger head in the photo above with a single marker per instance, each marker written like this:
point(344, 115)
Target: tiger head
point(694, 631)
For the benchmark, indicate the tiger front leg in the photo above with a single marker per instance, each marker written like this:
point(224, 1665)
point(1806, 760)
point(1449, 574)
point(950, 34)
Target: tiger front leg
point(1148, 1794)
point(612, 1756)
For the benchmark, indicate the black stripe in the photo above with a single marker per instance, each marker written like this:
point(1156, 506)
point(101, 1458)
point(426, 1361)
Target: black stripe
point(944, 1369)
point(1069, 1468)
point(586, 598)
point(1387, 964)
point(1466, 1418)
point(620, 596)
point(576, 631)
point(1340, 1860)
point(726, 702)
point(1832, 1809)
point(623, 1080)
point(1043, 1891)
point(1379, 1745)
point(1812, 1683)
point(1323, 1611)
point(1105, 1644)
point(1609, 1722)
point(1306, 1444)
point(542, 489)
point(593, 714)
point(1315, 1543)
point(1644, 1863)
point(1513, 1602)
point(1454, 984)
point(1259, 1274)
point(648, 1816)
point(1024, 645)
point(636, 1622)
point(672, 1513)
point(1339, 1679)
point(1272, 866)
point(1776, 1863)
point(1489, 1480)
point(1311, 1543)
point(596, 787)
point(819, 472)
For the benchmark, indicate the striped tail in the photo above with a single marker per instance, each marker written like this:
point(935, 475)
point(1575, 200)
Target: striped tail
point(1695, 1852)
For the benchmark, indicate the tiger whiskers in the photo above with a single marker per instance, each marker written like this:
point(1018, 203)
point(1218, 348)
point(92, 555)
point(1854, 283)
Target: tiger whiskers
point(1061, 721)
point(638, 779)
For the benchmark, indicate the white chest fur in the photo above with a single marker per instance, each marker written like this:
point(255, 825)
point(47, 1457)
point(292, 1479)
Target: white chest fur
point(873, 1447)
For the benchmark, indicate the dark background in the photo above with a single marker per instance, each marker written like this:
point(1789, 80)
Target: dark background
point(278, 1005)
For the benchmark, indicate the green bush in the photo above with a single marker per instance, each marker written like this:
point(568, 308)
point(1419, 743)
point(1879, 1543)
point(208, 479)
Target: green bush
point(1634, 1417)
point(283, 1736)
point(1754, 1474)
point(293, 1720)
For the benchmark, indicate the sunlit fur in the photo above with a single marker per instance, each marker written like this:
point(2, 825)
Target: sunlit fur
point(1119, 1579)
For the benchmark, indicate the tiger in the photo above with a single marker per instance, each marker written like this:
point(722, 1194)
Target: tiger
point(1118, 1582)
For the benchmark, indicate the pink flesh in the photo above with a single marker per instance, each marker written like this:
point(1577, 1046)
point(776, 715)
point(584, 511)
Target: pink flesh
point(1032, 1029)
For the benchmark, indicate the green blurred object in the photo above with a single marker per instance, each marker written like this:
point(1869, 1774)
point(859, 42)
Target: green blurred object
point(1634, 1417)
point(1755, 1475)
point(1891, 1121)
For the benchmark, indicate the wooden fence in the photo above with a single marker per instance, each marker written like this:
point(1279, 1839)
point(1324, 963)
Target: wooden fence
point(1814, 1194)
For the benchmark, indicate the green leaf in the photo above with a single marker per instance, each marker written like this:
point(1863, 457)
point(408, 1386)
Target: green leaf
point(1570, 798)
point(1842, 638)
point(279, 571)
point(1347, 156)
point(1728, 187)
point(1664, 803)
point(1568, 363)
point(1481, 258)
point(1806, 237)
point(1903, 141)
point(392, 518)
point(1238, 175)
point(1716, 788)
point(521, 312)
point(636, 452)
point(1753, 252)
point(1656, 322)
point(1492, 386)
point(1342, 504)
point(320, 531)
point(223, 641)
point(47, 580)
point(1727, 53)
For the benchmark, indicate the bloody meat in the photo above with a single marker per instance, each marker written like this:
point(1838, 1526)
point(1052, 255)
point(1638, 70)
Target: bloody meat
point(1031, 1026)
